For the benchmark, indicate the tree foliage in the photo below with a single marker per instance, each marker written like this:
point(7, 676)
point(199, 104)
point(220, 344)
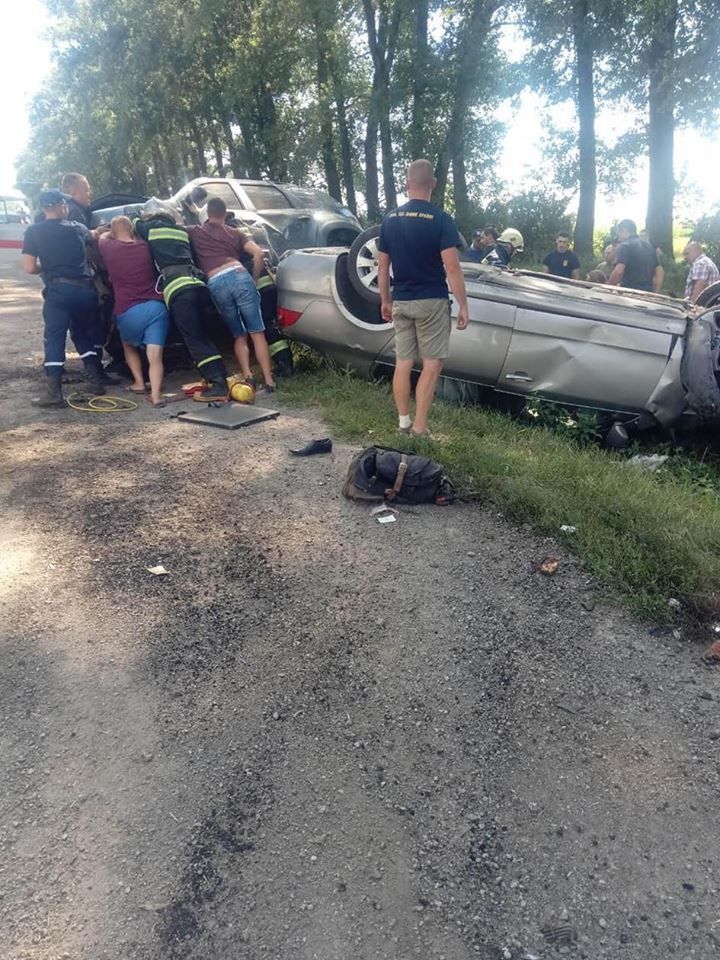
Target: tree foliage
point(145, 94)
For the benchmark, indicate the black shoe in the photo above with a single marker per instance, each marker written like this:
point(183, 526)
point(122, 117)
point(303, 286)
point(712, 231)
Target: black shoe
point(106, 379)
point(216, 393)
point(96, 384)
point(51, 393)
point(315, 446)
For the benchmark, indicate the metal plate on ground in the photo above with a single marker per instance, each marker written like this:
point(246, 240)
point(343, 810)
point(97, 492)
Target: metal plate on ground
point(228, 416)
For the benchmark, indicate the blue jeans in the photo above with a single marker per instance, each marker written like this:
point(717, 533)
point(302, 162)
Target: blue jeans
point(74, 308)
point(238, 302)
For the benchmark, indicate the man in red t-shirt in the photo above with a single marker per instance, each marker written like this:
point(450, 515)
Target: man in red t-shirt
point(217, 249)
point(141, 314)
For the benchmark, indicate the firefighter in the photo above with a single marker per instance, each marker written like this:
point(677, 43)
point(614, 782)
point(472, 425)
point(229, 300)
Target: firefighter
point(184, 291)
point(280, 351)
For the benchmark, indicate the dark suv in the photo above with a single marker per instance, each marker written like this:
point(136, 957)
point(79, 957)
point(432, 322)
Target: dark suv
point(290, 216)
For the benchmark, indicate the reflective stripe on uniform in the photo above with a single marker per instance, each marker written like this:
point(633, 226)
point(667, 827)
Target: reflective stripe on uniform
point(177, 284)
point(216, 356)
point(278, 346)
point(167, 233)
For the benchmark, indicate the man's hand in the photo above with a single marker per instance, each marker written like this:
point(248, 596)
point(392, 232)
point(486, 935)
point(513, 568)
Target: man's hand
point(386, 311)
point(463, 317)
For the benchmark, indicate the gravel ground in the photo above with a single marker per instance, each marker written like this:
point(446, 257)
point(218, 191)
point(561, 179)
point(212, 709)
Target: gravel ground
point(318, 737)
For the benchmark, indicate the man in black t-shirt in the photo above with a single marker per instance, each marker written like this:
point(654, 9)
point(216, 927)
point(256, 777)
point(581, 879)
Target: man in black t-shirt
point(562, 261)
point(636, 262)
point(420, 241)
point(57, 249)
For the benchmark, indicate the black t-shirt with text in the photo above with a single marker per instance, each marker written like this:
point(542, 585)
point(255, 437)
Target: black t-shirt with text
point(562, 264)
point(640, 263)
point(414, 236)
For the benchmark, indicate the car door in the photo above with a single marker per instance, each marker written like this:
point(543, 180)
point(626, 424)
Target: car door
point(477, 353)
point(585, 361)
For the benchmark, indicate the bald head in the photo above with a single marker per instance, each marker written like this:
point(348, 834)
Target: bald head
point(420, 179)
point(121, 228)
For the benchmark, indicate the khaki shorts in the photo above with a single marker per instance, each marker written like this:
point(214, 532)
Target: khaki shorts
point(422, 329)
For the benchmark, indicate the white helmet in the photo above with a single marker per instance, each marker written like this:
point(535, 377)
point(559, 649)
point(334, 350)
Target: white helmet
point(155, 208)
point(513, 236)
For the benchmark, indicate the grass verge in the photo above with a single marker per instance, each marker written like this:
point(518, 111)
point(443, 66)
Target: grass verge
point(646, 536)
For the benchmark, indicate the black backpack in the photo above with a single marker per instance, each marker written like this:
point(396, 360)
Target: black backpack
point(377, 474)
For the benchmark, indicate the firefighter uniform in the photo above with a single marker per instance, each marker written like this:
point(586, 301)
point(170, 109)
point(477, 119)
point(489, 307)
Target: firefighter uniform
point(185, 293)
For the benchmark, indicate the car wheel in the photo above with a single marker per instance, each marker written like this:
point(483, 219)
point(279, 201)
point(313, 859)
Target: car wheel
point(710, 295)
point(362, 265)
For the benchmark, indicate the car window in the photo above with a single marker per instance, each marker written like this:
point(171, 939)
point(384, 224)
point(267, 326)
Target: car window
point(313, 198)
point(225, 192)
point(265, 197)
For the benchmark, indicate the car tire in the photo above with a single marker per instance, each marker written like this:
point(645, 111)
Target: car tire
point(362, 265)
point(710, 296)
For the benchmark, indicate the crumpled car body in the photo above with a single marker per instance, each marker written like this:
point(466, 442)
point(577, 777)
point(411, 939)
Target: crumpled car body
point(280, 216)
point(646, 357)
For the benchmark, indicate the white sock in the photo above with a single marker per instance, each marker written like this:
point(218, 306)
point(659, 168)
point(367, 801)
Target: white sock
point(405, 420)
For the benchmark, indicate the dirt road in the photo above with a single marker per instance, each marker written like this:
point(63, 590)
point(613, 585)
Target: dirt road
point(320, 738)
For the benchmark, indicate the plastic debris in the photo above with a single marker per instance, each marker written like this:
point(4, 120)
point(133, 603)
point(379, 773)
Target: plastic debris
point(566, 528)
point(387, 518)
point(158, 571)
point(549, 566)
point(648, 462)
point(674, 604)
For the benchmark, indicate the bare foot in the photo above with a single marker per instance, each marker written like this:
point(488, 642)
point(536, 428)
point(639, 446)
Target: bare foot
point(136, 388)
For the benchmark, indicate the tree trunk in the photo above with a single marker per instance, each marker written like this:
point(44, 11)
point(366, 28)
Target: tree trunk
point(344, 133)
point(442, 170)
point(217, 150)
point(382, 41)
point(420, 73)
point(585, 102)
point(238, 169)
point(372, 189)
point(199, 150)
point(386, 149)
point(160, 177)
point(661, 125)
point(327, 139)
point(467, 64)
point(460, 190)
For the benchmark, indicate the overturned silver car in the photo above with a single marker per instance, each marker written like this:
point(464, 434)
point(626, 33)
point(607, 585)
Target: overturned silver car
point(644, 358)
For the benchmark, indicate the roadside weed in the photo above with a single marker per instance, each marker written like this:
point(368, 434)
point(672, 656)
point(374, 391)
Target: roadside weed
point(646, 536)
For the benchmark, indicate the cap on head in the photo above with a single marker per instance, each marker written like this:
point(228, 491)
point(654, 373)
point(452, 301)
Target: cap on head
point(514, 237)
point(52, 198)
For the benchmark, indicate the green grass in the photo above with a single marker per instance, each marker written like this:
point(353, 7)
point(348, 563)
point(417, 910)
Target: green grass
point(646, 536)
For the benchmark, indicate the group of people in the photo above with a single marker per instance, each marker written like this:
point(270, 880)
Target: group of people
point(160, 270)
point(629, 260)
point(498, 249)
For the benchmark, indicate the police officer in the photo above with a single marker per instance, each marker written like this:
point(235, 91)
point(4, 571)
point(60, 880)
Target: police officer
point(186, 295)
point(57, 248)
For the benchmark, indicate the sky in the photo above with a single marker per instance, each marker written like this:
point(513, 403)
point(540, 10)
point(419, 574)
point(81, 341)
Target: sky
point(26, 60)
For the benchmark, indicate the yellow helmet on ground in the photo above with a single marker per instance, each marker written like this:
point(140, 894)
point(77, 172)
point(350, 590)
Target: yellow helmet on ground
point(240, 391)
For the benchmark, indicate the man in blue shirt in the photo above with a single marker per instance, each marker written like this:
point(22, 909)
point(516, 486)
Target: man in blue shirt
point(419, 241)
point(56, 248)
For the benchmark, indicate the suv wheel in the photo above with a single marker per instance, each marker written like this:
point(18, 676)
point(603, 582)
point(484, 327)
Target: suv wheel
point(362, 265)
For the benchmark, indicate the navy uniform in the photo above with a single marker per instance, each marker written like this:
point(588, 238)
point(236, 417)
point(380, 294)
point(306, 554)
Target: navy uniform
point(58, 248)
